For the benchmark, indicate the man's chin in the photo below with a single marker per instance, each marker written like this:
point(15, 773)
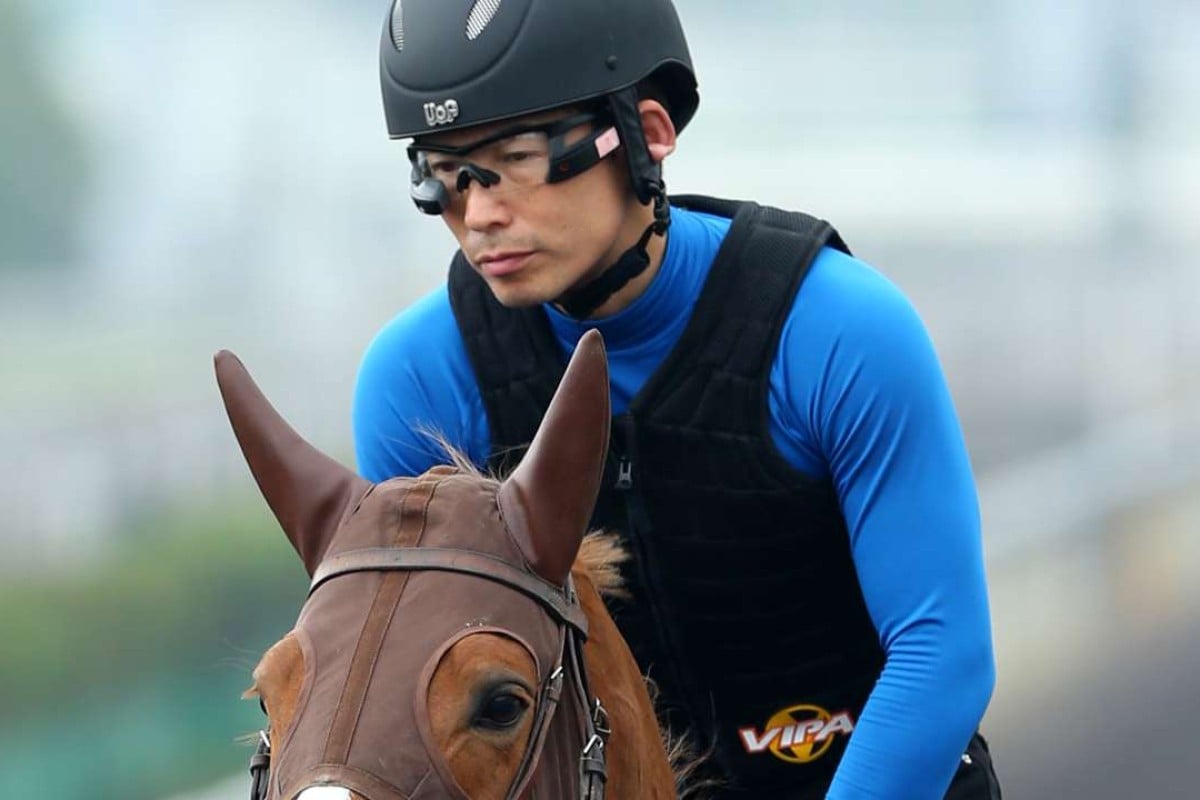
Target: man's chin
point(511, 296)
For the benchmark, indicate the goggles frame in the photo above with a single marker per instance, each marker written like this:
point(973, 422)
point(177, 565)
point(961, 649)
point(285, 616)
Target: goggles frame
point(432, 197)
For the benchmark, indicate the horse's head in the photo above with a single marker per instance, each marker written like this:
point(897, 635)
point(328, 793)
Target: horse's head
point(437, 654)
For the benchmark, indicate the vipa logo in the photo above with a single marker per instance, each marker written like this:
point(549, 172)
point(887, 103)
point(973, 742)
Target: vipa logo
point(441, 113)
point(798, 734)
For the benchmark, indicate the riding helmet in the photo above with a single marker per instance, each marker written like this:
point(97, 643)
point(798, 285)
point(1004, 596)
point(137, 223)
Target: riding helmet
point(449, 64)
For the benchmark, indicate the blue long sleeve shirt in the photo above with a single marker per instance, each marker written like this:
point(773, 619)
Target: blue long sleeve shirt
point(857, 395)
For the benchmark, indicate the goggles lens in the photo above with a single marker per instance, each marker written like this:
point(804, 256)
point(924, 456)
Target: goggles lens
point(522, 162)
point(514, 159)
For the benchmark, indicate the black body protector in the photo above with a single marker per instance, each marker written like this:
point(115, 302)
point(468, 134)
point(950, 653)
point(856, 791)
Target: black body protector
point(744, 601)
point(745, 608)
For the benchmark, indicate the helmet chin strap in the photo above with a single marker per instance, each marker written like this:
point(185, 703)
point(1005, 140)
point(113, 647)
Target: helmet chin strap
point(581, 302)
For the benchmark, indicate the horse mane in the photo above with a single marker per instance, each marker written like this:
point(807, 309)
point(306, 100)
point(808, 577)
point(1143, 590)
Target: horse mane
point(457, 458)
point(600, 558)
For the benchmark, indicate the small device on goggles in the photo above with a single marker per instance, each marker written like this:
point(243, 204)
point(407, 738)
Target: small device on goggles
point(546, 158)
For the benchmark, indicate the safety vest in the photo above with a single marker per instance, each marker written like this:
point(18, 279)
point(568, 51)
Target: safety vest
point(745, 609)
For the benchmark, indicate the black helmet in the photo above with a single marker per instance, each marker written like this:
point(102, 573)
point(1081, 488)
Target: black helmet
point(448, 64)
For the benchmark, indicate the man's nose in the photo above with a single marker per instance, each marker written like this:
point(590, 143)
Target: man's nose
point(484, 208)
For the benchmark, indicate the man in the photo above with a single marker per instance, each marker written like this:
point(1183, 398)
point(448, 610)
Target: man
point(786, 465)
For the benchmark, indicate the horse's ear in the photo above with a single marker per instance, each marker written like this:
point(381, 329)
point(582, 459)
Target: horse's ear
point(307, 490)
point(548, 499)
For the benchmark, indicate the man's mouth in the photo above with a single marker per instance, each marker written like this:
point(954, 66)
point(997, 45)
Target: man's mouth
point(495, 265)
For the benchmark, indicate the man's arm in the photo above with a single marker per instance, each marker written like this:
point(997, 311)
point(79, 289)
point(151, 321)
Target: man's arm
point(859, 396)
point(414, 385)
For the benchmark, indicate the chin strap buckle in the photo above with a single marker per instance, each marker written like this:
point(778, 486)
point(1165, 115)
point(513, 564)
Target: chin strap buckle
point(662, 209)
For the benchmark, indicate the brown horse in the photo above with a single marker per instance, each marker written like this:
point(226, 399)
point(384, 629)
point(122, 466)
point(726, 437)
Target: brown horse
point(440, 653)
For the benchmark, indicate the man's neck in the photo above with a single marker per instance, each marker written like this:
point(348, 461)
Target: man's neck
point(656, 249)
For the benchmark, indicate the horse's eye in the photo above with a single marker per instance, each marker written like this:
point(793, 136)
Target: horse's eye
point(502, 711)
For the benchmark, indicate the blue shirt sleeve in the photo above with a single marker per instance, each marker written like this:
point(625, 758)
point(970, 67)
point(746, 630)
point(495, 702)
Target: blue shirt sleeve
point(858, 395)
point(415, 384)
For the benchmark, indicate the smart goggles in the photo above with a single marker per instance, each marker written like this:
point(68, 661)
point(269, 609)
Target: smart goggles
point(515, 158)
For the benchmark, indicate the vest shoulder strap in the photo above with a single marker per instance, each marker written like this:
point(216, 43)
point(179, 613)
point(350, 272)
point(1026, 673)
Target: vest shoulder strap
point(735, 326)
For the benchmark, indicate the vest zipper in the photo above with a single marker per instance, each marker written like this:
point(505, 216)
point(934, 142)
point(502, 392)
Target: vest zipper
point(624, 475)
point(638, 529)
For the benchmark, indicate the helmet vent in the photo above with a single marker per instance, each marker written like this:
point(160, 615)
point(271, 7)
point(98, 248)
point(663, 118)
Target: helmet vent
point(481, 14)
point(398, 24)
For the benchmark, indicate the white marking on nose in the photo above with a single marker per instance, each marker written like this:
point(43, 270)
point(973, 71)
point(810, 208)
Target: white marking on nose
point(324, 793)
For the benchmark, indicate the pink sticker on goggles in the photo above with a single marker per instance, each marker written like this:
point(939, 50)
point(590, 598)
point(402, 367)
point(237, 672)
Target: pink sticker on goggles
point(607, 142)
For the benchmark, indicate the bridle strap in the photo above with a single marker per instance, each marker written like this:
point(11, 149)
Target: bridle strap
point(593, 765)
point(469, 562)
point(593, 768)
point(548, 700)
point(260, 768)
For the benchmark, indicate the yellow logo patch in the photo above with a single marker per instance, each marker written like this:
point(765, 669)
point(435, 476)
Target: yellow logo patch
point(797, 734)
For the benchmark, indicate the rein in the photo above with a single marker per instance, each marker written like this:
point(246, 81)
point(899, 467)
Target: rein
point(562, 605)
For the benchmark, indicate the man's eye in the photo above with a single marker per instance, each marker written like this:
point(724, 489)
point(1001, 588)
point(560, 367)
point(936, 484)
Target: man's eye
point(444, 167)
point(519, 156)
point(502, 711)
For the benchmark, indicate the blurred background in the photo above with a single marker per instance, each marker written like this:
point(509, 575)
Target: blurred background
point(178, 177)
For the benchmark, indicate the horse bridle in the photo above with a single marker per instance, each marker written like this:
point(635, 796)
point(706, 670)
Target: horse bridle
point(562, 605)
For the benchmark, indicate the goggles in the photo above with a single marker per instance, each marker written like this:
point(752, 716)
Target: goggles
point(517, 158)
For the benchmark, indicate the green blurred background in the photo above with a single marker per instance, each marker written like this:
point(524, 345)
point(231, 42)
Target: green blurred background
point(122, 680)
point(177, 178)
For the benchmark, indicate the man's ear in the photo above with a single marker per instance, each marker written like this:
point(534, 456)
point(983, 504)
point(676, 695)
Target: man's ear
point(658, 128)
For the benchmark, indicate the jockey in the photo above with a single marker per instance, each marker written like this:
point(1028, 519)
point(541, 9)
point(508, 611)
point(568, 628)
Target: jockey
point(786, 467)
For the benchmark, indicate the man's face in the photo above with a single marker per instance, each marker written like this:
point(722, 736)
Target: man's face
point(531, 240)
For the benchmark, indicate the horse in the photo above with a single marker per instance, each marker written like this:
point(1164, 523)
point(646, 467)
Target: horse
point(454, 642)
